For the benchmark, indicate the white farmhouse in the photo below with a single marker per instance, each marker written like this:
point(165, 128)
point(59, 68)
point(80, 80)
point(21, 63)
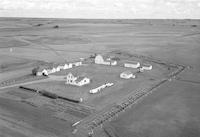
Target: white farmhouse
point(127, 75)
point(132, 64)
point(70, 78)
point(77, 81)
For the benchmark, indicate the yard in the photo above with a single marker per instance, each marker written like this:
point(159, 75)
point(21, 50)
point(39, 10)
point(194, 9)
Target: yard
point(99, 75)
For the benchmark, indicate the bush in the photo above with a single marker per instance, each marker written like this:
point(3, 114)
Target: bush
point(193, 25)
point(56, 26)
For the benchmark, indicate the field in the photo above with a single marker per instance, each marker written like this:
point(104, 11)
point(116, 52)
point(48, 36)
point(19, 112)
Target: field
point(171, 110)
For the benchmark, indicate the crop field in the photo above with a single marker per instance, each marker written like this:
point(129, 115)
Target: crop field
point(160, 102)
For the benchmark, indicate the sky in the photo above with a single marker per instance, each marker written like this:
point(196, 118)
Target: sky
point(170, 9)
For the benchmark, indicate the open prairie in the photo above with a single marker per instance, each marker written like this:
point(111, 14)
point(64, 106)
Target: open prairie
point(171, 110)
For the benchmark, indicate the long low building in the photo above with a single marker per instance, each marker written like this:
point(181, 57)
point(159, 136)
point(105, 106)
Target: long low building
point(132, 64)
point(146, 67)
point(52, 68)
point(98, 89)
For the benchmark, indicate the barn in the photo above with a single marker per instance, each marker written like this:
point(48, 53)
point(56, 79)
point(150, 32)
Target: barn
point(99, 59)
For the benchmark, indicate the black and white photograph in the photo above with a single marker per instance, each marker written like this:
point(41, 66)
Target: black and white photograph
point(99, 68)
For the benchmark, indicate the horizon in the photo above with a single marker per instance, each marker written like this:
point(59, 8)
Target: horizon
point(102, 9)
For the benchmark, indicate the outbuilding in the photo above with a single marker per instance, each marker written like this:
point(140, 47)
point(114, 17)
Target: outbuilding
point(146, 67)
point(67, 66)
point(39, 71)
point(113, 63)
point(60, 67)
point(127, 75)
point(79, 63)
point(132, 64)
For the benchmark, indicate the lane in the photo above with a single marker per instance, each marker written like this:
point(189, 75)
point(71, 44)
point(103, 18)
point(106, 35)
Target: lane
point(26, 83)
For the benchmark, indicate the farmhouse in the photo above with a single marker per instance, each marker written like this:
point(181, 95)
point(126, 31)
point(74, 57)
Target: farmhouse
point(127, 75)
point(132, 64)
point(80, 81)
point(77, 81)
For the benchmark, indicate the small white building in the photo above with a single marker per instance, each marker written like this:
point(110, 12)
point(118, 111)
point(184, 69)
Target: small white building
point(67, 66)
point(93, 91)
point(146, 67)
point(60, 67)
point(77, 81)
point(49, 71)
point(113, 63)
point(45, 72)
point(127, 75)
point(55, 69)
point(132, 64)
point(39, 73)
point(79, 63)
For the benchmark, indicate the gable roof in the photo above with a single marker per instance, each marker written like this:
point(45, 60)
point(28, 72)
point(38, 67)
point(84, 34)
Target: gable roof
point(79, 79)
point(146, 65)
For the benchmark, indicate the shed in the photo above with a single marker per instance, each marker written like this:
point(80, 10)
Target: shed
point(127, 75)
point(146, 67)
point(132, 64)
